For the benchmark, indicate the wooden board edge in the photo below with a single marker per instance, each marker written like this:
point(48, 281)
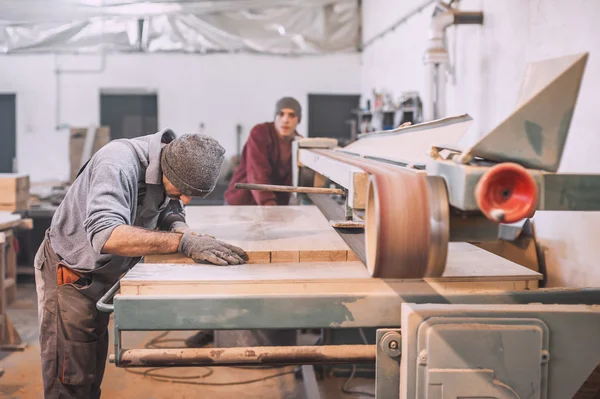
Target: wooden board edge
point(324, 256)
point(253, 257)
point(285, 256)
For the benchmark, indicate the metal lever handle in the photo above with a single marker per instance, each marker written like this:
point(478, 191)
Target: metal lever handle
point(103, 305)
point(289, 189)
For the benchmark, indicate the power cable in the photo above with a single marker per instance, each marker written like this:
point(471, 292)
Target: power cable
point(347, 383)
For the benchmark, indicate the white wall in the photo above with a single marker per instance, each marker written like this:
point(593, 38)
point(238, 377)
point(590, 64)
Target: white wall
point(489, 62)
point(218, 90)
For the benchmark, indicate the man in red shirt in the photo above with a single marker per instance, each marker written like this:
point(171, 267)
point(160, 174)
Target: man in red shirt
point(267, 158)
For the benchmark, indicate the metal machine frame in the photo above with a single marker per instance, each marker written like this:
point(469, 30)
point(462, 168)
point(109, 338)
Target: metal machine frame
point(573, 326)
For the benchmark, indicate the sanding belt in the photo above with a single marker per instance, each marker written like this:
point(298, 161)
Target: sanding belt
point(401, 237)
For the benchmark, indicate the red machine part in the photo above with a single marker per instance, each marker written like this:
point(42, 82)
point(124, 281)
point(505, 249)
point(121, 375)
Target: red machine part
point(507, 193)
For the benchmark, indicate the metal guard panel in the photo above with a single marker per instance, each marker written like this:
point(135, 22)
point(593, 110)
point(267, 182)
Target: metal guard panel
point(321, 311)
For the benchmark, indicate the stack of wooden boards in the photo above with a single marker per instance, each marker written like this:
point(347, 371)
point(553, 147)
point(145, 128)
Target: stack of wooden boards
point(269, 234)
point(295, 251)
point(14, 192)
point(469, 269)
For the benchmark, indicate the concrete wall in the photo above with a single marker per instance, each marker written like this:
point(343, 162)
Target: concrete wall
point(488, 63)
point(219, 91)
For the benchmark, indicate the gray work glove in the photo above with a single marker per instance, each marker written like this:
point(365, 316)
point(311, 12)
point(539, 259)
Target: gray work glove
point(182, 228)
point(208, 249)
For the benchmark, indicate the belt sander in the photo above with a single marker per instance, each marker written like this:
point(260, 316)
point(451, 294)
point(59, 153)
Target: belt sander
point(421, 186)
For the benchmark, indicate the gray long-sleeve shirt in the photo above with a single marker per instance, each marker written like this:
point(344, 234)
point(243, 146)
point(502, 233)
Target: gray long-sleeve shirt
point(121, 185)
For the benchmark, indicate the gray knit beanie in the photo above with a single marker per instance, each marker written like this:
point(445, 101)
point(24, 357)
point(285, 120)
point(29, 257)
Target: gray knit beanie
point(192, 163)
point(291, 103)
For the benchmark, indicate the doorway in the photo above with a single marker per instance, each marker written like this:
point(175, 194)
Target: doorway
point(330, 115)
point(129, 115)
point(8, 133)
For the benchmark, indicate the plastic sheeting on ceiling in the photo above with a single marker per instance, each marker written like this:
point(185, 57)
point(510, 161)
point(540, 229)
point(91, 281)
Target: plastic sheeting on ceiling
point(285, 27)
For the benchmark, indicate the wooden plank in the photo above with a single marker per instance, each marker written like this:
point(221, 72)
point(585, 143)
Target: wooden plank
point(323, 256)
point(285, 256)
point(267, 228)
point(333, 287)
point(14, 181)
point(466, 263)
point(14, 191)
point(148, 273)
point(319, 180)
point(317, 142)
point(9, 220)
point(297, 279)
point(286, 231)
point(253, 258)
point(352, 257)
point(360, 183)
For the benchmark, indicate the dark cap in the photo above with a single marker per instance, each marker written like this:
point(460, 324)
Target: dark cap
point(192, 163)
point(291, 103)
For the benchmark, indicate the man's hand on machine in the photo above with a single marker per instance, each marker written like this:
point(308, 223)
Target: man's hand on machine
point(209, 249)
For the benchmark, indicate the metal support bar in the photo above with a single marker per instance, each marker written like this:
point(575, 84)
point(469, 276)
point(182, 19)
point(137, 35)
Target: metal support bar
point(571, 192)
point(348, 213)
point(349, 309)
point(289, 189)
point(387, 373)
point(348, 222)
point(260, 355)
point(102, 305)
point(311, 387)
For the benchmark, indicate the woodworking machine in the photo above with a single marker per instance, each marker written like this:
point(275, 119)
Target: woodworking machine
point(417, 189)
point(420, 187)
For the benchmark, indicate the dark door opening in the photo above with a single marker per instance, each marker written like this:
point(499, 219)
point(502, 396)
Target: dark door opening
point(329, 115)
point(8, 132)
point(129, 115)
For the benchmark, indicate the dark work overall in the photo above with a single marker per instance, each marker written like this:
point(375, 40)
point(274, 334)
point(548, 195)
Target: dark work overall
point(73, 333)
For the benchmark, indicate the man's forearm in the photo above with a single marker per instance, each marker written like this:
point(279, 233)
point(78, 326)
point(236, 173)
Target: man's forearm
point(135, 241)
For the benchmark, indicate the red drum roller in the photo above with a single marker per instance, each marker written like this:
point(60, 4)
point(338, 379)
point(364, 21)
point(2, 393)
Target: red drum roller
point(507, 193)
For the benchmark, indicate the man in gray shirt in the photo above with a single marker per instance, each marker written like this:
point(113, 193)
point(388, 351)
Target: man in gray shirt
point(108, 220)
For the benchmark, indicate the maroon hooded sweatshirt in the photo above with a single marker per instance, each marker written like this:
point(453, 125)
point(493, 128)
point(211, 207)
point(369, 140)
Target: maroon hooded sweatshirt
point(266, 159)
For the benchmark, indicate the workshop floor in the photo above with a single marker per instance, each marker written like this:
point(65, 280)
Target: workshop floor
point(22, 377)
